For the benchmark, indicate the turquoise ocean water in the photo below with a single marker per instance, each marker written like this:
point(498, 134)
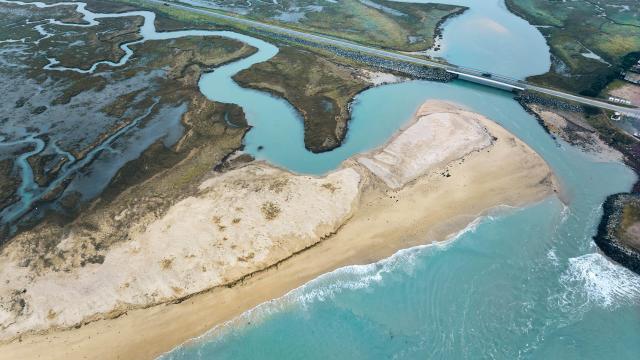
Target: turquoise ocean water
point(522, 283)
point(525, 283)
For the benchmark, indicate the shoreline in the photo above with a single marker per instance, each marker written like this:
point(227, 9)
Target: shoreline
point(364, 238)
point(438, 33)
point(101, 339)
point(606, 239)
point(248, 315)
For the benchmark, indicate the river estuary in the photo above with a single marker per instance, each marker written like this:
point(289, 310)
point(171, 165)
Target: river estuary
point(525, 283)
point(522, 283)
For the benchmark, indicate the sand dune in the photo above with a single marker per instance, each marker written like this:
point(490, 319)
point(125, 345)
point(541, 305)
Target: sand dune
point(438, 136)
point(446, 168)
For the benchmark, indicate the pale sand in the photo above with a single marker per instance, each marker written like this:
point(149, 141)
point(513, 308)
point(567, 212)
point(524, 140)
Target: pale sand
point(377, 78)
point(438, 137)
point(573, 128)
point(240, 222)
point(428, 208)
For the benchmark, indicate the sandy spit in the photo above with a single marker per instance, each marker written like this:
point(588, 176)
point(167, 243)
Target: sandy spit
point(414, 190)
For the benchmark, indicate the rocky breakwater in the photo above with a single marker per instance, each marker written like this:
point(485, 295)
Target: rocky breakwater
point(591, 129)
point(618, 234)
point(256, 231)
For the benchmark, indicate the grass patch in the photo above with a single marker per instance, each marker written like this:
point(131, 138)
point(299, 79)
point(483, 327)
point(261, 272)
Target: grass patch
point(381, 23)
point(270, 211)
point(608, 28)
point(166, 263)
point(320, 89)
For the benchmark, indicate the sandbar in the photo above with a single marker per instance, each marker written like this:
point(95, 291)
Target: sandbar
point(256, 232)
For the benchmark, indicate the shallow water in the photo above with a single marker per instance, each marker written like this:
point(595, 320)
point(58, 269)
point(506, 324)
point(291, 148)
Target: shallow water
point(490, 38)
point(526, 284)
point(276, 134)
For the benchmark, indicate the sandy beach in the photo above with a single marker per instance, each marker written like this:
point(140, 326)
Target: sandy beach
point(442, 171)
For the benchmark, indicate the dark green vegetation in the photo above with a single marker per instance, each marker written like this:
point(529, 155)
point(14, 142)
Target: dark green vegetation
point(9, 182)
point(88, 47)
point(320, 89)
point(380, 23)
point(74, 114)
point(206, 122)
point(317, 82)
point(608, 29)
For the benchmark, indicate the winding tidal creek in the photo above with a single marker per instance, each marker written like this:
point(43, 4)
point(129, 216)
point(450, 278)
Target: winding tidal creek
point(522, 283)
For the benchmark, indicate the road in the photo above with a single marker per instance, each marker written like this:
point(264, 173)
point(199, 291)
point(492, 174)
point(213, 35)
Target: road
point(475, 75)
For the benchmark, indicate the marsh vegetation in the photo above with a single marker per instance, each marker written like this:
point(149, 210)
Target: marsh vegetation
point(379, 23)
point(105, 132)
point(320, 89)
point(591, 41)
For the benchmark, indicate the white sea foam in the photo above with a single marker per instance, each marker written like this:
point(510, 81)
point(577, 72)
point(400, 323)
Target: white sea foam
point(592, 279)
point(327, 286)
point(348, 278)
point(355, 277)
point(552, 256)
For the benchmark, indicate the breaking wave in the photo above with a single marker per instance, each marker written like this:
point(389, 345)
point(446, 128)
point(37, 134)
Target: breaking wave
point(327, 286)
point(592, 279)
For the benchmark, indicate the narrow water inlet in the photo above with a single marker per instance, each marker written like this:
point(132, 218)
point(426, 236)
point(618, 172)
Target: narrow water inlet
point(527, 284)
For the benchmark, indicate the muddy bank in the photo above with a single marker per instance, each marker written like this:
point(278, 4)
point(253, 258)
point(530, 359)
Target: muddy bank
point(137, 110)
point(571, 123)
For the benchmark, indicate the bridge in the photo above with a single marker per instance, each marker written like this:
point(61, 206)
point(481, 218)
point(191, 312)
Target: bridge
point(488, 79)
point(463, 73)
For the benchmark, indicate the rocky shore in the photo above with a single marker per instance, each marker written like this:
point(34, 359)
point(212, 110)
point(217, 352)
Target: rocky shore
point(591, 130)
point(619, 228)
point(569, 122)
point(402, 68)
point(438, 33)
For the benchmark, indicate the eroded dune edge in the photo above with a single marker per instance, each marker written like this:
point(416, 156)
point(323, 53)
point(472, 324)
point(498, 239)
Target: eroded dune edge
point(255, 232)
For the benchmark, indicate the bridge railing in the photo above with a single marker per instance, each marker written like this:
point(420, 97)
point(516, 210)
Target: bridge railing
point(493, 76)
